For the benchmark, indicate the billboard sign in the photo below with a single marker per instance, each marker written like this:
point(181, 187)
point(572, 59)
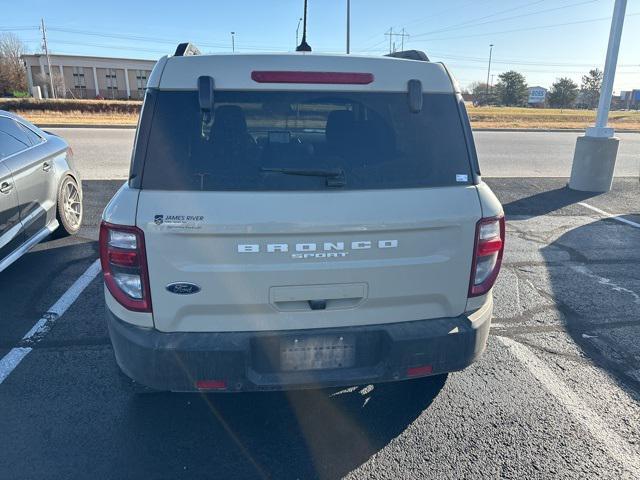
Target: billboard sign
point(537, 95)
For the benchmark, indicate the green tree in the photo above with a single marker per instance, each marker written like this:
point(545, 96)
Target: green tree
point(590, 88)
point(563, 93)
point(511, 89)
point(481, 94)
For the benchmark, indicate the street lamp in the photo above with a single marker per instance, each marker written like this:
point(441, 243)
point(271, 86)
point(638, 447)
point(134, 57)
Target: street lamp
point(233, 41)
point(595, 156)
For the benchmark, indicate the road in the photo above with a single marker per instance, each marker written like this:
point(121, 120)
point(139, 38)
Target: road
point(556, 394)
point(105, 153)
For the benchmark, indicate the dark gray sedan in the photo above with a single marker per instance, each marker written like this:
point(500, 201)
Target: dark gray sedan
point(40, 191)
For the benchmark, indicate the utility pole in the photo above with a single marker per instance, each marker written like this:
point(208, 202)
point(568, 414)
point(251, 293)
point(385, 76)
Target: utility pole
point(46, 52)
point(233, 41)
point(297, 30)
point(595, 156)
point(489, 69)
point(348, 26)
point(392, 45)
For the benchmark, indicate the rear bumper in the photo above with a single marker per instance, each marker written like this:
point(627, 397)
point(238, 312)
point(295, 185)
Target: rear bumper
point(249, 361)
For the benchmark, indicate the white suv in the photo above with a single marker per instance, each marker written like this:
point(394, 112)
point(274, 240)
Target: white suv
point(299, 220)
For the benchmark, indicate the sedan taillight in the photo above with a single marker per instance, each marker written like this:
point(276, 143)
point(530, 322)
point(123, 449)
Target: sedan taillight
point(487, 255)
point(124, 266)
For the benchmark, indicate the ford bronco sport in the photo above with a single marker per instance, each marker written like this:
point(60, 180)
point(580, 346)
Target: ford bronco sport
point(297, 221)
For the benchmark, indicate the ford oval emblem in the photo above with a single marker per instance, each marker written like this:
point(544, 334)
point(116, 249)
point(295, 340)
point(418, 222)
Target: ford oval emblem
point(183, 288)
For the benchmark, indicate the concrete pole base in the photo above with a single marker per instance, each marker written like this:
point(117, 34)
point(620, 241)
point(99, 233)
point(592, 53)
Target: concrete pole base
point(593, 164)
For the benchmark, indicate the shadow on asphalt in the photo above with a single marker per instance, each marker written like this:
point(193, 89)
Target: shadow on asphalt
point(300, 434)
point(545, 202)
point(596, 293)
point(37, 279)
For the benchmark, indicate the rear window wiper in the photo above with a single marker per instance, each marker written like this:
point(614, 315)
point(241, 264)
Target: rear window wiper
point(334, 176)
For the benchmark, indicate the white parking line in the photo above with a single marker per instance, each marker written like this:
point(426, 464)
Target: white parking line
point(610, 215)
point(607, 282)
point(12, 359)
point(615, 446)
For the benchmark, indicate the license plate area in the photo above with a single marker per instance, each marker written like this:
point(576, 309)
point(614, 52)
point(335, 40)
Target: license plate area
point(317, 352)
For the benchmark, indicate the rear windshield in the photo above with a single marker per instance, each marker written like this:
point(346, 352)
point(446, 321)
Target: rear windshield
point(267, 140)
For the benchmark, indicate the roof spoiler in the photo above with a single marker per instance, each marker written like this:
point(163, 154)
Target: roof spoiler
point(186, 49)
point(410, 55)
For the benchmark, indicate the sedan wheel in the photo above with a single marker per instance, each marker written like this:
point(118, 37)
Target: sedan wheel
point(70, 206)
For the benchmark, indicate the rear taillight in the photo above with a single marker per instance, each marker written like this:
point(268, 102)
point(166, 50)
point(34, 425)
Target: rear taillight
point(487, 255)
point(124, 266)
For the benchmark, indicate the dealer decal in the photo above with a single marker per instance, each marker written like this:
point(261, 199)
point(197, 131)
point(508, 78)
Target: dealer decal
point(179, 221)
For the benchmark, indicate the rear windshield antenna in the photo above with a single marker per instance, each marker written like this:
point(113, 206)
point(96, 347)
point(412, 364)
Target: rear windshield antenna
point(304, 46)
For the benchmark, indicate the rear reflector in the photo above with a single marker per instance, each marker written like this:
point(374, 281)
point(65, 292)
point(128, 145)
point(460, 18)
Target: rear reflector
point(211, 385)
point(339, 78)
point(488, 247)
point(124, 259)
point(420, 371)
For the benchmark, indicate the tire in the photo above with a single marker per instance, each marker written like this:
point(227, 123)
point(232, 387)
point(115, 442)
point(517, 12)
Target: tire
point(69, 210)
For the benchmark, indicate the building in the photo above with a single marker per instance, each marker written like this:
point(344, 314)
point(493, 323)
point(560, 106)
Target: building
point(78, 76)
point(630, 99)
point(537, 96)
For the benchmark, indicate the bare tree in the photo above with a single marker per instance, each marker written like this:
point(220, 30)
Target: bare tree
point(13, 75)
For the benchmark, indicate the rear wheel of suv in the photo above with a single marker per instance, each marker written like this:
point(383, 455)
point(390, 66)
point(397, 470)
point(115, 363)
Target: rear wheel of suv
point(69, 209)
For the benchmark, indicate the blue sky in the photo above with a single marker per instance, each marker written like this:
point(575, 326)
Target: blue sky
point(543, 39)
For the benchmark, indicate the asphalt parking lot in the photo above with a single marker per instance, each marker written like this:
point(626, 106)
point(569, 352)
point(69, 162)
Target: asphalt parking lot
point(556, 395)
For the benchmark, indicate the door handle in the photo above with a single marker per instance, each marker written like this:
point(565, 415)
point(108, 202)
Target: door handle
point(46, 166)
point(5, 187)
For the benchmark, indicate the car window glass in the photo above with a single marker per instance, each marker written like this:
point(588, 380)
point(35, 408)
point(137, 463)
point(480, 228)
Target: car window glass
point(12, 138)
point(33, 137)
point(373, 139)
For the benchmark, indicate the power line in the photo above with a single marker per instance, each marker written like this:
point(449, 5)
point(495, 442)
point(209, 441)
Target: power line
point(582, 72)
point(392, 44)
point(522, 15)
point(126, 36)
point(519, 30)
point(442, 12)
point(543, 63)
point(17, 29)
point(466, 23)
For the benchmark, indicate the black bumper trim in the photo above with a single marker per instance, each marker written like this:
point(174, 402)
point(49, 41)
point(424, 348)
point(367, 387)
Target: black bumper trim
point(175, 361)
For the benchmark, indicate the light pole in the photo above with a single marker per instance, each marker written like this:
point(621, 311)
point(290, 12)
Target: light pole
point(297, 30)
point(348, 26)
point(233, 41)
point(489, 69)
point(595, 156)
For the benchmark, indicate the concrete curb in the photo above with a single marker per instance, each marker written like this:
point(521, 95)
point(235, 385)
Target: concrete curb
point(79, 125)
point(513, 130)
point(544, 130)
